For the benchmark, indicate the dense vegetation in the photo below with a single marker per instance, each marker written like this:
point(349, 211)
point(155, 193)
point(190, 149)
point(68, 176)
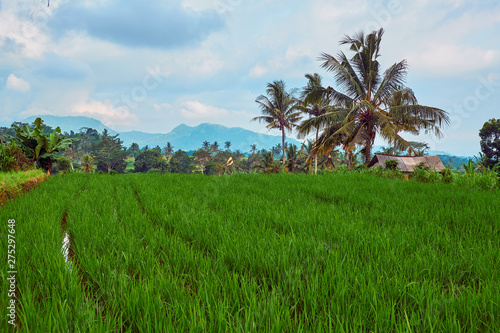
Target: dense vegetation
point(339, 252)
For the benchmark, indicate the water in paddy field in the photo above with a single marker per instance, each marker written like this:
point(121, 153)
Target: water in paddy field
point(66, 244)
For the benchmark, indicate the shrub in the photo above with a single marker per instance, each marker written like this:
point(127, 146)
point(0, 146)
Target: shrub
point(63, 165)
point(496, 169)
point(446, 175)
point(154, 170)
point(391, 164)
point(12, 158)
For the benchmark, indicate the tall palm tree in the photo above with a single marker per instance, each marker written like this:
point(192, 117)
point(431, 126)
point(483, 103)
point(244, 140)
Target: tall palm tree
point(253, 148)
point(279, 109)
point(168, 150)
point(415, 120)
point(364, 96)
point(214, 147)
point(314, 104)
point(227, 145)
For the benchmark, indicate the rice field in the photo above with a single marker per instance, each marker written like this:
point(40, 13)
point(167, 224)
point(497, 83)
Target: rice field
point(253, 253)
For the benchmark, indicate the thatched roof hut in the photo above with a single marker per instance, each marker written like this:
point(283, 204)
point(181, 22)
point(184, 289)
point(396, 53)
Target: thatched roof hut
point(407, 163)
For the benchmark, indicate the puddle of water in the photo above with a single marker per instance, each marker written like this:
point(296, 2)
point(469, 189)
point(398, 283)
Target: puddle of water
point(65, 250)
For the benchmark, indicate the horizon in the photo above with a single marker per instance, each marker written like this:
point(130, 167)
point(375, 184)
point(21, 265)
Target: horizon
point(149, 67)
point(435, 152)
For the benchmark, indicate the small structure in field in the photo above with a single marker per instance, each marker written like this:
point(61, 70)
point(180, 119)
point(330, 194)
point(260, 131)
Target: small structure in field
point(407, 163)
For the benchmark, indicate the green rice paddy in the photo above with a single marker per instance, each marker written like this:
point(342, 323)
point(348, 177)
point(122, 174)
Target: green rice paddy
point(253, 253)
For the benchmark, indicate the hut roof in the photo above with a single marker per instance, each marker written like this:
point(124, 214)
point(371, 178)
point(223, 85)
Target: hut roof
point(407, 163)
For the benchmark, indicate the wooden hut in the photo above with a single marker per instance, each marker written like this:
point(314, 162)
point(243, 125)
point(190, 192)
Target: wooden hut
point(407, 163)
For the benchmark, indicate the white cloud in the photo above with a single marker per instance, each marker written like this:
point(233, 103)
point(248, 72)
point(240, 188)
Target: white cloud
point(197, 110)
point(105, 112)
point(18, 84)
point(258, 71)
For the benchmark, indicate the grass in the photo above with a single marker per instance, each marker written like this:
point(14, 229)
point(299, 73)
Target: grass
point(273, 253)
point(14, 183)
point(130, 164)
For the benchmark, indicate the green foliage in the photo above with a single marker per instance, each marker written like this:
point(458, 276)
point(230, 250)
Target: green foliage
point(110, 153)
point(268, 164)
point(423, 173)
point(63, 165)
point(88, 164)
point(150, 159)
point(470, 167)
point(496, 169)
point(181, 162)
point(447, 175)
point(490, 142)
point(42, 147)
point(391, 164)
point(340, 252)
point(280, 109)
point(7, 161)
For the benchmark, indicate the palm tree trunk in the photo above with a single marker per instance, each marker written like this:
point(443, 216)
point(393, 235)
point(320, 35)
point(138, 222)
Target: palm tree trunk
point(368, 153)
point(316, 157)
point(283, 146)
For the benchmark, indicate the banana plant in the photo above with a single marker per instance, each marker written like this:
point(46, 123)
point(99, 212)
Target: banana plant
point(41, 147)
point(470, 167)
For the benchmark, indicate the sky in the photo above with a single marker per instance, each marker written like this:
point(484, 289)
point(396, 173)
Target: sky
point(151, 65)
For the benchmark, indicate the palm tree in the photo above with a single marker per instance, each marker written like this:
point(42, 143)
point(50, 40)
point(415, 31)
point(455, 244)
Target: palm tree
point(168, 150)
point(253, 148)
point(292, 154)
point(314, 104)
point(88, 163)
point(227, 145)
point(268, 163)
point(279, 109)
point(215, 147)
point(364, 97)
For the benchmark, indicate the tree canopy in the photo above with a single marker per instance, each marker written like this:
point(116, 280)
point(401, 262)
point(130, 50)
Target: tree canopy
point(490, 142)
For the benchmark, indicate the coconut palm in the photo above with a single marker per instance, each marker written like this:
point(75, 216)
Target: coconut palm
point(279, 109)
point(412, 120)
point(314, 104)
point(227, 145)
point(214, 147)
point(88, 164)
point(253, 149)
point(364, 97)
point(168, 150)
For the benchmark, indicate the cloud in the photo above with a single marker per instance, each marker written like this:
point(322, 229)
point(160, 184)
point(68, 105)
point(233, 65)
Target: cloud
point(18, 84)
point(105, 112)
point(138, 23)
point(197, 110)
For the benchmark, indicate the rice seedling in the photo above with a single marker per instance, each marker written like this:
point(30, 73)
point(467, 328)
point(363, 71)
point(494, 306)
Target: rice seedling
point(335, 252)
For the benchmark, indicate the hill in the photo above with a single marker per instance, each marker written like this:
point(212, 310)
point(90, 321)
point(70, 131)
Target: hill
point(182, 137)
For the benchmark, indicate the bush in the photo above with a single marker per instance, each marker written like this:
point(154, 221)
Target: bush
point(496, 169)
point(154, 170)
point(446, 175)
point(12, 158)
point(391, 164)
point(63, 165)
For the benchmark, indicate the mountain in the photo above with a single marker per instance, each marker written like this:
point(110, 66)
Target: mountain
point(190, 138)
point(182, 137)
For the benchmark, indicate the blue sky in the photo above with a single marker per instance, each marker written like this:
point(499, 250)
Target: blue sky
point(151, 65)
